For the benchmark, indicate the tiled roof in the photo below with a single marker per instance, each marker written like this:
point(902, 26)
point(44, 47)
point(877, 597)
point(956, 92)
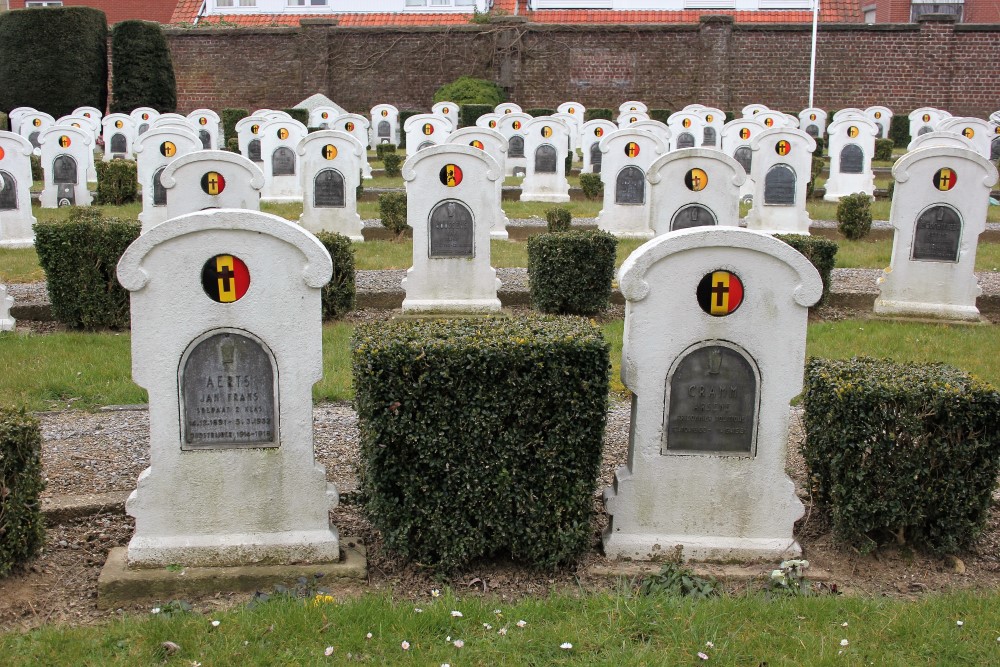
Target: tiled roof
point(121, 10)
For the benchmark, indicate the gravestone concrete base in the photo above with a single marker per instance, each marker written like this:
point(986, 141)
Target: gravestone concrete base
point(118, 584)
point(927, 311)
point(645, 546)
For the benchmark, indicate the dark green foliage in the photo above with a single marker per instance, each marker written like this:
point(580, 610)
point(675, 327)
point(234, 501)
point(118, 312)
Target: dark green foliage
point(604, 114)
point(468, 90)
point(4, 122)
point(883, 149)
point(854, 216)
point(481, 437)
point(233, 145)
point(677, 581)
point(592, 186)
point(660, 114)
point(37, 174)
point(301, 115)
point(393, 164)
point(820, 146)
point(117, 183)
point(229, 119)
point(403, 115)
point(891, 190)
point(903, 452)
point(818, 164)
point(54, 59)
point(392, 211)
point(570, 273)
point(730, 115)
point(468, 114)
point(22, 526)
point(558, 219)
point(899, 131)
point(143, 74)
point(568, 162)
point(535, 113)
point(338, 294)
point(79, 257)
point(382, 149)
point(821, 252)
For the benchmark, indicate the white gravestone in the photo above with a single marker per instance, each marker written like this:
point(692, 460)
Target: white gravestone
point(33, 123)
point(450, 205)
point(16, 115)
point(206, 125)
point(356, 126)
point(938, 212)
point(271, 114)
point(119, 137)
point(488, 120)
point(626, 157)
point(384, 125)
point(656, 128)
point(94, 114)
point(813, 122)
point(754, 109)
point(211, 179)
point(85, 124)
point(925, 119)
point(632, 106)
point(995, 142)
point(7, 323)
point(507, 108)
point(248, 137)
point(591, 134)
point(772, 119)
point(715, 338)
point(714, 120)
point(694, 187)
point(91, 122)
point(154, 150)
point(16, 220)
point(425, 130)
point(331, 173)
point(318, 100)
point(66, 152)
point(578, 112)
point(279, 137)
point(851, 148)
point(882, 117)
point(630, 118)
point(686, 129)
point(976, 130)
point(495, 146)
point(323, 117)
point(227, 340)
point(143, 117)
point(573, 131)
point(938, 138)
point(737, 135)
point(782, 166)
point(448, 111)
point(545, 141)
point(511, 126)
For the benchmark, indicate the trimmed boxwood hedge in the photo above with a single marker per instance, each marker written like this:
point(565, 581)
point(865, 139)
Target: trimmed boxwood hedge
point(570, 273)
point(54, 59)
point(22, 527)
point(230, 117)
point(79, 257)
point(339, 294)
point(661, 115)
point(603, 114)
point(901, 452)
point(143, 73)
point(392, 211)
point(899, 131)
point(403, 115)
point(117, 183)
point(535, 113)
point(821, 252)
point(481, 437)
point(301, 115)
point(468, 114)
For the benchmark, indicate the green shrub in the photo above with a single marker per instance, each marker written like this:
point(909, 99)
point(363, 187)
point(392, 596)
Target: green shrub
point(403, 116)
point(79, 257)
point(558, 219)
point(818, 164)
point(603, 114)
point(592, 186)
point(820, 146)
point(661, 115)
point(883, 149)
point(233, 145)
point(392, 211)
point(117, 183)
point(338, 294)
point(730, 116)
point(468, 114)
point(54, 59)
point(393, 164)
point(535, 113)
point(37, 174)
point(481, 437)
point(4, 122)
point(301, 115)
point(854, 216)
point(570, 273)
point(381, 150)
point(143, 73)
point(821, 252)
point(22, 526)
point(229, 119)
point(908, 452)
point(468, 90)
point(899, 131)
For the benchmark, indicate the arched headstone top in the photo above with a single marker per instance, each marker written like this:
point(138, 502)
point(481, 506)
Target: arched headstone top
point(475, 133)
point(631, 106)
point(732, 168)
point(253, 173)
point(618, 139)
point(295, 130)
point(152, 139)
point(433, 152)
point(574, 109)
point(440, 124)
point(379, 108)
point(768, 138)
point(15, 142)
point(209, 116)
point(507, 108)
point(754, 109)
point(340, 121)
point(906, 164)
point(244, 124)
point(935, 138)
point(342, 140)
point(76, 134)
point(864, 124)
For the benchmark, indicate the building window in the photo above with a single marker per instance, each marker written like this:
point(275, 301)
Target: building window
point(918, 9)
point(39, 3)
point(235, 3)
point(440, 3)
point(307, 3)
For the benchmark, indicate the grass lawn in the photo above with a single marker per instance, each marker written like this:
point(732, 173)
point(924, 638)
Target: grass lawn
point(620, 628)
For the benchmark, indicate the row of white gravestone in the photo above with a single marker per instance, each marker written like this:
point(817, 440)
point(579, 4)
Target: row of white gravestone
point(121, 131)
point(982, 136)
point(16, 218)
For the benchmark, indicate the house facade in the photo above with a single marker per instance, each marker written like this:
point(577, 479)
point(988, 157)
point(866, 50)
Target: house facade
point(160, 11)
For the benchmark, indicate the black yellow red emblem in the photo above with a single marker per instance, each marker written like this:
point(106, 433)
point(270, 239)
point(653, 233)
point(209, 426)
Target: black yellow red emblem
point(385, 113)
point(168, 149)
point(745, 133)
point(213, 183)
point(546, 131)
point(145, 116)
point(445, 111)
point(37, 122)
point(968, 133)
point(476, 143)
point(506, 111)
point(225, 278)
point(686, 122)
point(255, 129)
point(451, 175)
point(65, 141)
point(349, 126)
point(878, 114)
point(119, 124)
point(926, 118)
point(329, 152)
point(516, 125)
point(1, 153)
point(203, 121)
point(945, 179)
point(282, 133)
point(86, 114)
point(493, 123)
point(769, 122)
point(720, 293)
point(598, 131)
point(77, 125)
point(853, 131)
point(428, 129)
point(632, 119)
point(696, 180)
point(783, 147)
point(812, 116)
point(571, 110)
point(325, 115)
point(709, 118)
point(632, 149)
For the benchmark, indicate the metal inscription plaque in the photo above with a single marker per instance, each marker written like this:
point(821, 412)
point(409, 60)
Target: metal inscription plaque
point(852, 159)
point(630, 186)
point(515, 146)
point(812, 130)
point(64, 170)
point(206, 139)
point(253, 150)
point(452, 230)
point(779, 186)
point(709, 137)
point(328, 190)
point(744, 156)
point(545, 159)
point(8, 193)
point(426, 144)
point(118, 143)
point(685, 140)
point(712, 404)
point(694, 215)
point(283, 162)
point(228, 394)
point(938, 235)
point(159, 192)
point(596, 157)
point(33, 138)
point(995, 150)
point(142, 129)
point(383, 128)
point(924, 130)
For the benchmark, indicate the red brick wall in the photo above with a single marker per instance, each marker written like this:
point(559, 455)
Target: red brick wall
point(120, 10)
point(933, 63)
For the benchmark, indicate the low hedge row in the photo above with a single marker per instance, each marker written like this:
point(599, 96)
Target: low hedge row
point(901, 452)
point(392, 211)
point(117, 183)
point(404, 115)
point(570, 273)
point(339, 295)
point(229, 119)
point(821, 252)
point(481, 437)
point(22, 527)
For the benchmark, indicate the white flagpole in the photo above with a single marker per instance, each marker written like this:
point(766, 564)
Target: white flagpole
point(812, 59)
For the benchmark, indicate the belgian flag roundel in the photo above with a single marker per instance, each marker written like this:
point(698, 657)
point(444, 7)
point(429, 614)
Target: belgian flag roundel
point(254, 129)
point(769, 122)
point(745, 133)
point(213, 183)
point(349, 126)
point(225, 278)
point(546, 131)
point(1, 152)
point(945, 179)
point(598, 131)
point(385, 113)
point(203, 121)
point(926, 118)
point(493, 123)
point(168, 149)
point(686, 122)
point(720, 293)
point(451, 175)
point(119, 124)
point(812, 116)
point(427, 129)
point(696, 180)
point(852, 131)
point(282, 133)
point(516, 125)
point(968, 133)
point(709, 118)
point(65, 141)
point(476, 143)
point(783, 147)
point(329, 152)
point(632, 149)
point(37, 122)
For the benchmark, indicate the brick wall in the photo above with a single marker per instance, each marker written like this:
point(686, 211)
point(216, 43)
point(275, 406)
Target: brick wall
point(933, 63)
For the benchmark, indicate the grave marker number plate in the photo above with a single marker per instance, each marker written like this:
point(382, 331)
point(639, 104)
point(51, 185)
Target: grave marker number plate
point(329, 189)
point(630, 186)
point(452, 230)
point(852, 159)
point(694, 215)
point(779, 186)
point(938, 235)
point(545, 159)
point(516, 146)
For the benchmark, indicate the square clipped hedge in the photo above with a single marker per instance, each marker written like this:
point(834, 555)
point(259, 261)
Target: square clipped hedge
point(340, 294)
point(117, 182)
point(822, 253)
point(481, 437)
point(570, 273)
point(22, 527)
point(901, 452)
